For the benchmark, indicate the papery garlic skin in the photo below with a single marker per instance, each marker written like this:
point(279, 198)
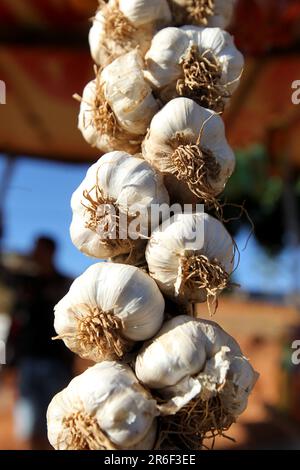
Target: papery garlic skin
point(178, 350)
point(222, 13)
point(169, 47)
point(184, 236)
point(183, 117)
point(128, 93)
point(199, 363)
point(125, 292)
point(109, 393)
point(129, 98)
point(141, 12)
point(130, 183)
point(240, 384)
point(143, 18)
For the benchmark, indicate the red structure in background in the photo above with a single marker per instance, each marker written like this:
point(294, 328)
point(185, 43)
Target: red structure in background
point(46, 61)
point(264, 25)
point(259, 25)
point(46, 14)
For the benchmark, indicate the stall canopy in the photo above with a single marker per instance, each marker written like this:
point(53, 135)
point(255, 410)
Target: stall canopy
point(44, 59)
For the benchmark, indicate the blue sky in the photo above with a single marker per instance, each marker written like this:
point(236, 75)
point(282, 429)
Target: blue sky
point(38, 202)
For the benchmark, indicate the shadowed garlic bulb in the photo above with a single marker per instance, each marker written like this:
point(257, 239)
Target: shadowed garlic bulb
point(212, 13)
point(108, 309)
point(117, 107)
point(120, 26)
point(199, 63)
point(187, 144)
point(200, 373)
point(112, 206)
point(191, 258)
point(105, 408)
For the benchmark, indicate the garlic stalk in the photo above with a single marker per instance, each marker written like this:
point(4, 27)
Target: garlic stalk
point(212, 13)
point(117, 107)
point(187, 144)
point(120, 26)
point(105, 408)
point(112, 206)
point(199, 63)
point(191, 258)
point(108, 309)
point(200, 373)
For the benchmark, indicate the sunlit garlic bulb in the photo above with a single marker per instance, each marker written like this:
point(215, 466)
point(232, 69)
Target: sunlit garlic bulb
point(112, 207)
point(107, 310)
point(121, 25)
point(199, 63)
point(199, 376)
point(191, 258)
point(105, 408)
point(117, 107)
point(187, 144)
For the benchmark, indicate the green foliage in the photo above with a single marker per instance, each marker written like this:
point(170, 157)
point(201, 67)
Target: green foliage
point(261, 191)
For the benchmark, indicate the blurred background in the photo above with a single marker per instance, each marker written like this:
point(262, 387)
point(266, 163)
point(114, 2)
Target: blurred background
point(44, 59)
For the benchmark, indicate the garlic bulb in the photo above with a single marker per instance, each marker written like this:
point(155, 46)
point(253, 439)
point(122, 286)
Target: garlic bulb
point(106, 206)
point(213, 13)
point(120, 26)
point(117, 107)
point(107, 309)
point(187, 143)
point(180, 349)
point(105, 408)
point(191, 258)
point(200, 373)
point(199, 63)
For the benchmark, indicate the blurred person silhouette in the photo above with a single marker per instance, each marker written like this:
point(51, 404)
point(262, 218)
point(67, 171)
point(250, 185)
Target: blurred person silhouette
point(44, 366)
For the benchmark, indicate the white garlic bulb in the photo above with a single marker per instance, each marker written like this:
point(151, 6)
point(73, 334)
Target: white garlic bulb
point(120, 26)
point(106, 205)
point(192, 357)
point(108, 309)
point(199, 63)
point(212, 13)
point(191, 258)
point(117, 107)
point(105, 408)
point(187, 143)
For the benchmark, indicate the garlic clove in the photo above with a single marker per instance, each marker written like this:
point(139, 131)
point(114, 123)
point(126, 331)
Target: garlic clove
point(128, 93)
point(141, 12)
point(163, 58)
point(172, 354)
